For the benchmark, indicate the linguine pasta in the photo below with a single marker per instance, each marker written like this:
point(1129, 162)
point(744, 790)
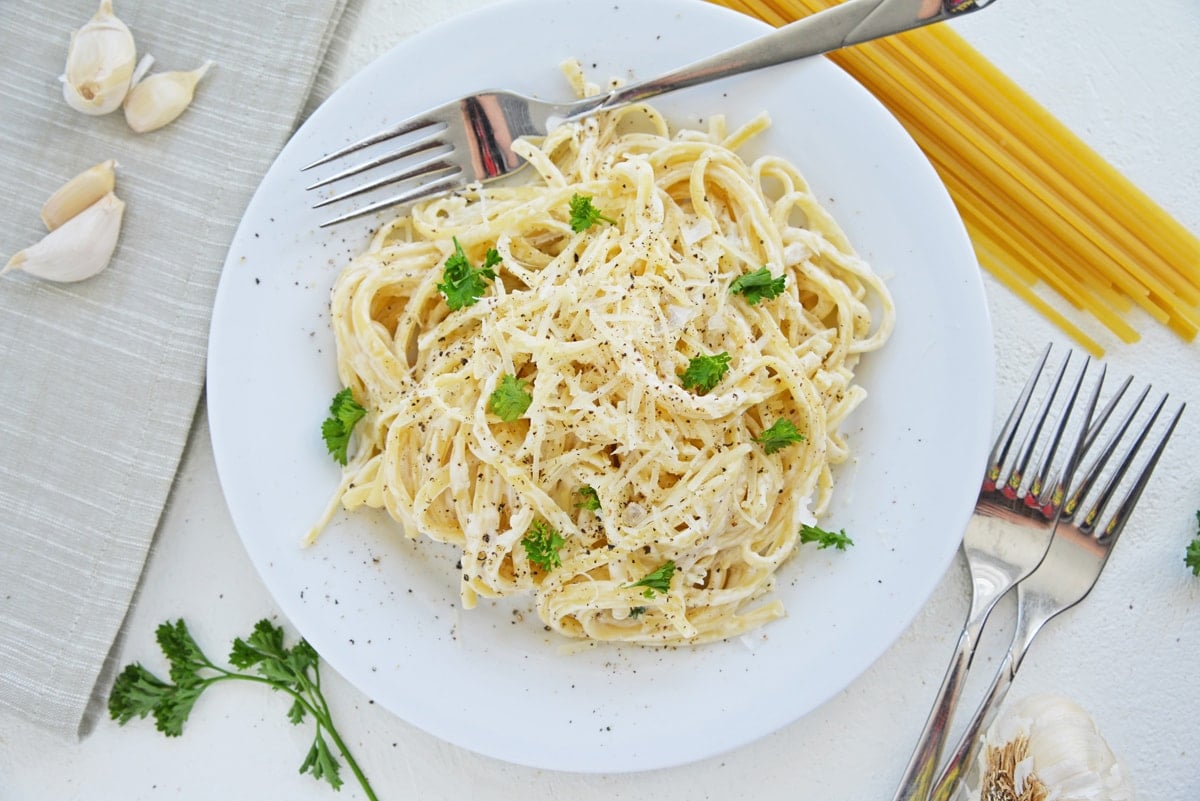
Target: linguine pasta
point(599, 325)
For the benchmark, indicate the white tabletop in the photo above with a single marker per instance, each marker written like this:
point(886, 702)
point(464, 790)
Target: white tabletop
point(1124, 76)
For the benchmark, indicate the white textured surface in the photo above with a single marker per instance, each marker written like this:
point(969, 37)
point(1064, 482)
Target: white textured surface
point(1122, 75)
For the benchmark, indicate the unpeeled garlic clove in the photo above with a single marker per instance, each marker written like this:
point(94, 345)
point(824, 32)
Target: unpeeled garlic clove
point(100, 63)
point(79, 248)
point(79, 193)
point(161, 97)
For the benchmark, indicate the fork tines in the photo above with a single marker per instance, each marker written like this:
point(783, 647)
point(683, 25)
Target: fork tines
point(1009, 469)
point(425, 145)
point(1100, 482)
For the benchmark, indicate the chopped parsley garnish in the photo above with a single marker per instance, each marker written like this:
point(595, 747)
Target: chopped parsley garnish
point(344, 413)
point(758, 285)
point(293, 671)
point(1192, 558)
point(542, 544)
point(591, 500)
point(636, 611)
point(783, 432)
point(658, 581)
point(462, 284)
point(703, 372)
point(510, 399)
point(823, 538)
point(584, 215)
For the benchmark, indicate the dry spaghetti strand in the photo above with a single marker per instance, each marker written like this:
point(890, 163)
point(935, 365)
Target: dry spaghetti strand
point(1041, 207)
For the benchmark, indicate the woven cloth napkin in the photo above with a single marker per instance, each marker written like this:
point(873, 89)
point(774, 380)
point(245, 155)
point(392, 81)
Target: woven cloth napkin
point(101, 379)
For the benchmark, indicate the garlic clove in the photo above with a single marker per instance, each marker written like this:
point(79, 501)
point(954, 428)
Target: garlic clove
point(79, 193)
point(160, 98)
point(79, 248)
point(1048, 747)
point(100, 63)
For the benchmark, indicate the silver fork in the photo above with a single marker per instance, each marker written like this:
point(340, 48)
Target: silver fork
point(1006, 538)
point(470, 140)
point(1082, 543)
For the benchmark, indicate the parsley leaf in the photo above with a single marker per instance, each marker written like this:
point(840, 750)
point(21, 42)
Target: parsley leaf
point(1192, 557)
point(321, 763)
point(823, 538)
point(542, 543)
point(783, 432)
point(636, 611)
point(591, 499)
point(703, 372)
point(462, 284)
point(344, 413)
point(584, 215)
point(137, 693)
point(510, 399)
point(658, 581)
point(758, 285)
point(294, 671)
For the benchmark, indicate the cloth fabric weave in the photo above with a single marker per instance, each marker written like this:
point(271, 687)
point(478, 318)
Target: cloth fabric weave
point(101, 378)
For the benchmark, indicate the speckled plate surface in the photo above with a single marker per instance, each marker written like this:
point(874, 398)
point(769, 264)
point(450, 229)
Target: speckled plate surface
point(383, 611)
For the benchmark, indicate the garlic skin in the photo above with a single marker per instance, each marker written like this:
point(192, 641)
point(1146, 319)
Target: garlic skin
point(79, 248)
point(1047, 748)
point(100, 63)
point(79, 193)
point(143, 66)
point(160, 98)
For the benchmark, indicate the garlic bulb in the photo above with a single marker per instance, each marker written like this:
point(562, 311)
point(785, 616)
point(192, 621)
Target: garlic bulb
point(100, 63)
point(1047, 748)
point(77, 249)
point(79, 193)
point(162, 97)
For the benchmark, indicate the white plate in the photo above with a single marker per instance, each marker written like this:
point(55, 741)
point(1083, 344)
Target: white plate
point(383, 611)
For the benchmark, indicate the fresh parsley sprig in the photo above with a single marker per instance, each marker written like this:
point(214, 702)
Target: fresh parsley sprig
point(782, 432)
point(758, 285)
point(657, 581)
point(823, 538)
point(1192, 556)
point(542, 543)
point(344, 414)
point(462, 284)
point(591, 498)
point(584, 215)
point(704, 372)
point(294, 671)
point(510, 399)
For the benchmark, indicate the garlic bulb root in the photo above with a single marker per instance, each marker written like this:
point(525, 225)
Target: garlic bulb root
point(79, 248)
point(158, 99)
point(1047, 747)
point(100, 63)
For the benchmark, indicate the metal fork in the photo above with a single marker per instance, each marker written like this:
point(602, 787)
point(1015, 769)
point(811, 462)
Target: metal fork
point(1080, 549)
point(1007, 536)
point(470, 140)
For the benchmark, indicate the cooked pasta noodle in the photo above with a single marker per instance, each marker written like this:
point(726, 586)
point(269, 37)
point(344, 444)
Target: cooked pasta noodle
point(599, 325)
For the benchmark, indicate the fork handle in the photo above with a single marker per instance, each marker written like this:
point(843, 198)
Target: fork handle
point(967, 750)
point(1032, 614)
point(918, 776)
point(852, 22)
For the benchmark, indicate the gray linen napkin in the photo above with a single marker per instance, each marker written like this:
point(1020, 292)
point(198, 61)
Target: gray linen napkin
point(100, 379)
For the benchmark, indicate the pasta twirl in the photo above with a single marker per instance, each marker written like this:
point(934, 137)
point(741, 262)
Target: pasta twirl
point(600, 324)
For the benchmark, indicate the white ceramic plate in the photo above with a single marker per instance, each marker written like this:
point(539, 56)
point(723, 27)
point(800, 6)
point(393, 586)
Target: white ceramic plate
point(383, 611)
